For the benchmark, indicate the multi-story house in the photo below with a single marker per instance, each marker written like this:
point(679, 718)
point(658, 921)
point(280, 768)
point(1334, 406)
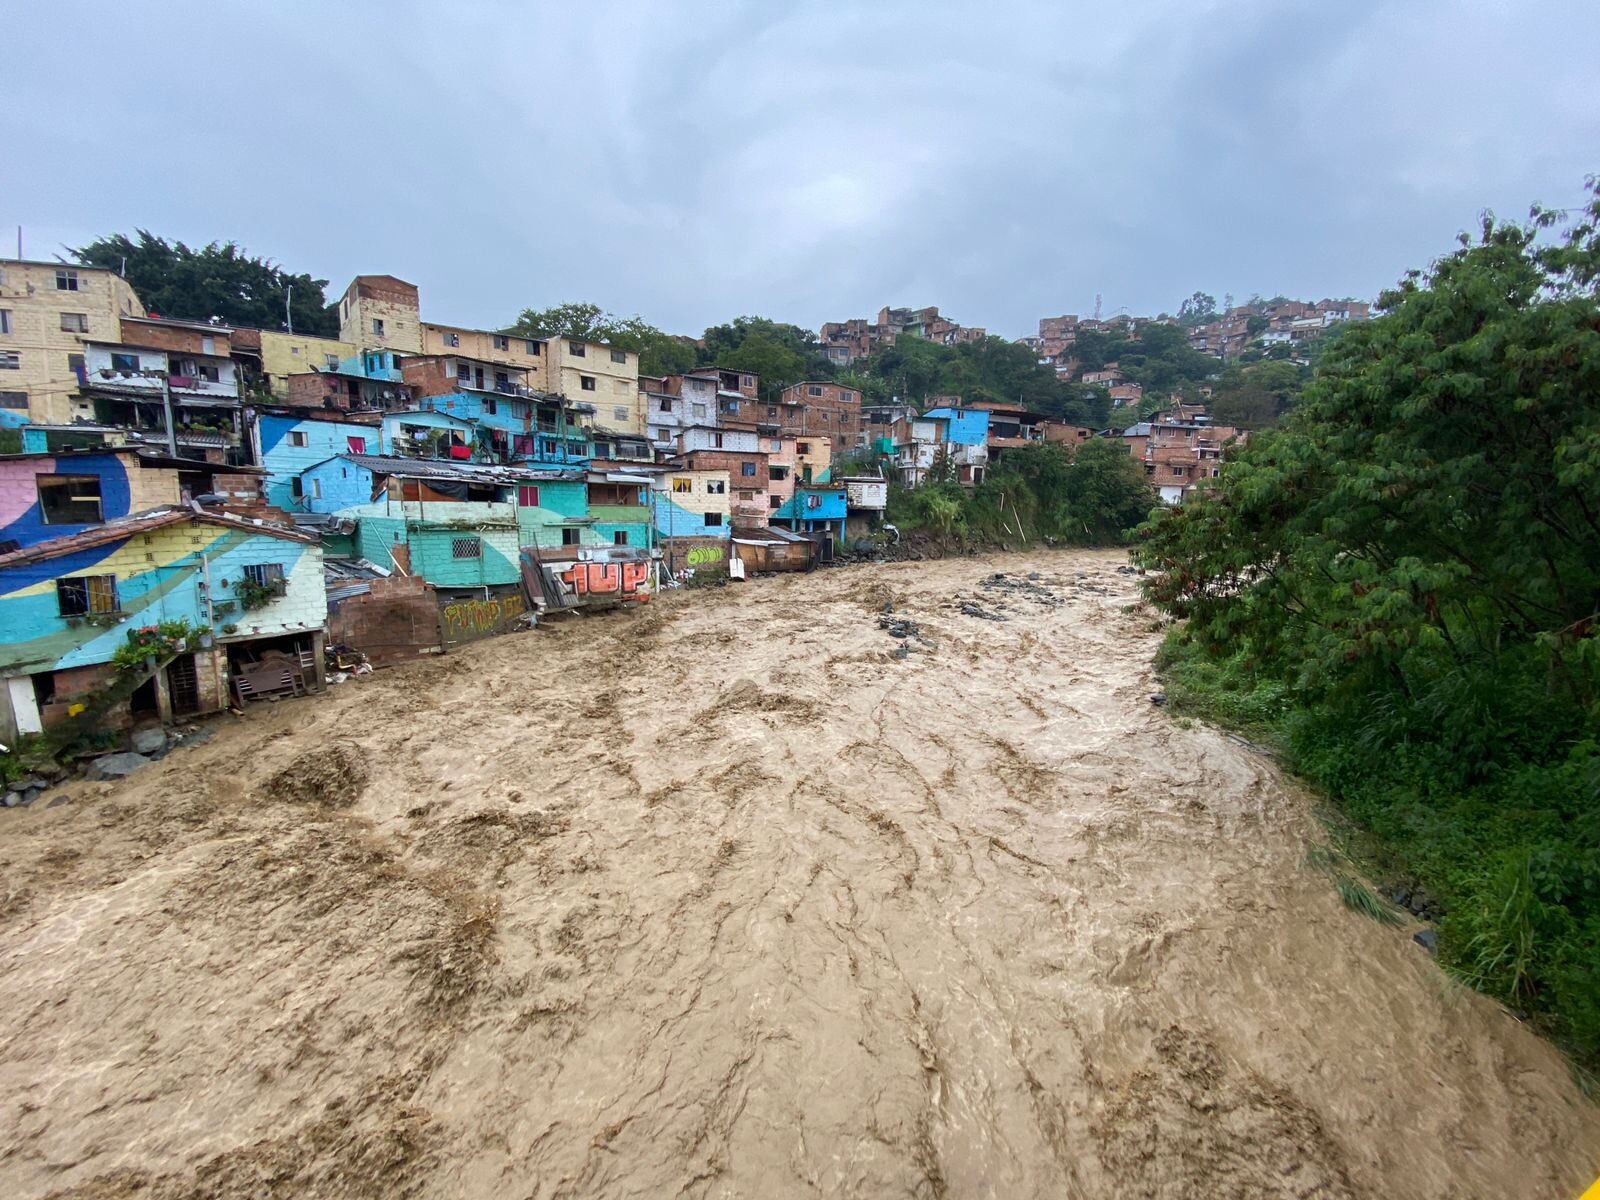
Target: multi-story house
point(372, 380)
point(592, 373)
point(271, 357)
point(46, 312)
point(1180, 455)
point(738, 452)
point(129, 381)
point(514, 422)
point(381, 312)
point(819, 407)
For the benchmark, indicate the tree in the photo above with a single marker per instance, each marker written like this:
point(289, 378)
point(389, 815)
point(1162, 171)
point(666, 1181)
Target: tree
point(659, 353)
point(1105, 494)
point(1197, 310)
point(1411, 561)
point(792, 354)
point(1254, 395)
point(219, 280)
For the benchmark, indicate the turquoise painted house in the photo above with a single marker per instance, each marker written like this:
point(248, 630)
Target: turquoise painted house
point(462, 525)
point(814, 510)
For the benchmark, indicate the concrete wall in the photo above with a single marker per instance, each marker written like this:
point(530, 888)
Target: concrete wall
point(396, 621)
point(528, 354)
point(286, 354)
point(28, 293)
point(160, 576)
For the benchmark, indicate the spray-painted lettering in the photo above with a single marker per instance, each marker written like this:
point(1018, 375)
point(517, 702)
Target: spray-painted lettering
point(702, 555)
point(464, 619)
point(623, 580)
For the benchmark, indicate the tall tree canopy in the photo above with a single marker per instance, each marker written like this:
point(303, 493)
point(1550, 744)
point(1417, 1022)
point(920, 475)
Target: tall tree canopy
point(780, 353)
point(217, 280)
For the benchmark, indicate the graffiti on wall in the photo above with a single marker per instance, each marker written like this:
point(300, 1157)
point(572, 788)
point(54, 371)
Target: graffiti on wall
point(705, 556)
point(603, 580)
point(464, 620)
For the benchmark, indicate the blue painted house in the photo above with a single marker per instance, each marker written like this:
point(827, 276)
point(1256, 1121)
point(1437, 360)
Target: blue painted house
point(814, 509)
point(287, 441)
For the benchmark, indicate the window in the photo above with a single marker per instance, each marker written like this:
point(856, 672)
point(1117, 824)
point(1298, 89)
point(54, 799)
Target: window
point(803, 448)
point(316, 489)
point(490, 408)
point(356, 445)
point(620, 412)
point(533, 347)
point(86, 594)
point(452, 339)
point(466, 547)
point(13, 399)
point(586, 382)
point(377, 326)
point(716, 440)
point(576, 349)
point(329, 361)
point(619, 538)
point(69, 499)
point(716, 487)
point(298, 437)
point(10, 360)
point(5, 320)
point(463, 373)
point(296, 487)
point(268, 575)
point(713, 518)
point(66, 281)
point(748, 380)
point(209, 373)
point(772, 410)
point(747, 469)
point(813, 391)
point(813, 501)
point(619, 356)
point(733, 406)
point(208, 344)
point(501, 342)
point(502, 380)
point(528, 496)
point(124, 362)
point(664, 405)
point(570, 537)
point(774, 501)
point(699, 412)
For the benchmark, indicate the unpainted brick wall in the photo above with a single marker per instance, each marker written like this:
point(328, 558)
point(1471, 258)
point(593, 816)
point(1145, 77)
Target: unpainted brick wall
point(396, 621)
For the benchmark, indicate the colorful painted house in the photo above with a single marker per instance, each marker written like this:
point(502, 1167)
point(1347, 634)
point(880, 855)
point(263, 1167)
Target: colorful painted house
point(694, 520)
point(461, 525)
point(48, 496)
point(815, 509)
point(285, 441)
point(241, 588)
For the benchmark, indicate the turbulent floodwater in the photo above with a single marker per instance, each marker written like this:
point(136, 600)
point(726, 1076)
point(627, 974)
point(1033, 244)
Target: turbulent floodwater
point(722, 899)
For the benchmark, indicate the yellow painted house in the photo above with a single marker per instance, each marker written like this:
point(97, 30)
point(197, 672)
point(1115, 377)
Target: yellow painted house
point(47, 311)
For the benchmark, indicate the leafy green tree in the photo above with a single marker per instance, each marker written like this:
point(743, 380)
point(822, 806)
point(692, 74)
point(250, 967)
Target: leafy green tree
point(1197, 310)
point(791, 354)
point(659, 353)
point(219, 280)
point(1411, 560)
point(1254, 395)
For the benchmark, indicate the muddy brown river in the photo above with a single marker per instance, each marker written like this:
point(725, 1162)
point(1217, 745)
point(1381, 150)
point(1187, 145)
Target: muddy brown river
point(722, 898)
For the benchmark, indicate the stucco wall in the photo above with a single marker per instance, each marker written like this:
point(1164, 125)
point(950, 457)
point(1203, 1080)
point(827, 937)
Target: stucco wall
point(275, 450)
point(125, 488)
point(285, 354)
point(28, 292)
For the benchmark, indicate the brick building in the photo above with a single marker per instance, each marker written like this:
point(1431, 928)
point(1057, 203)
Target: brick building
point(819, 407)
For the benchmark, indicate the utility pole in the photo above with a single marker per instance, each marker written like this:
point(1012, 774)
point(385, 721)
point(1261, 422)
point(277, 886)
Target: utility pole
point(166, 408)
point(288, 316)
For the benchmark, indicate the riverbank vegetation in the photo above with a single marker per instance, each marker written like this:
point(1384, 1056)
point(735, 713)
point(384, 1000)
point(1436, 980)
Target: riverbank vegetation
point(1401, 587)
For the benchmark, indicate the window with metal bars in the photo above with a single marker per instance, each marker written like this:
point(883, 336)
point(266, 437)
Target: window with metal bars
point(466, 547)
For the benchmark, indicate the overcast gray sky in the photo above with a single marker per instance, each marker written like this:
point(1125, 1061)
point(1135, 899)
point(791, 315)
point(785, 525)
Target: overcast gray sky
point(805, 161)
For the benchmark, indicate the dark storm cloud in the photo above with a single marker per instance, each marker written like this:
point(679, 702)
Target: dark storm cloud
point(811, 161)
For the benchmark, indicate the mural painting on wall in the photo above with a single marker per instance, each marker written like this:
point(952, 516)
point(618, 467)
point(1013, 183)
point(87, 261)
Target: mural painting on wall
point(464, 620)
point(622, 580)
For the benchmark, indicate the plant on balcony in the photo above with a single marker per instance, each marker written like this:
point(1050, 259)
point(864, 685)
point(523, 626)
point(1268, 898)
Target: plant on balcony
point(252, 595)
point(152, 642)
